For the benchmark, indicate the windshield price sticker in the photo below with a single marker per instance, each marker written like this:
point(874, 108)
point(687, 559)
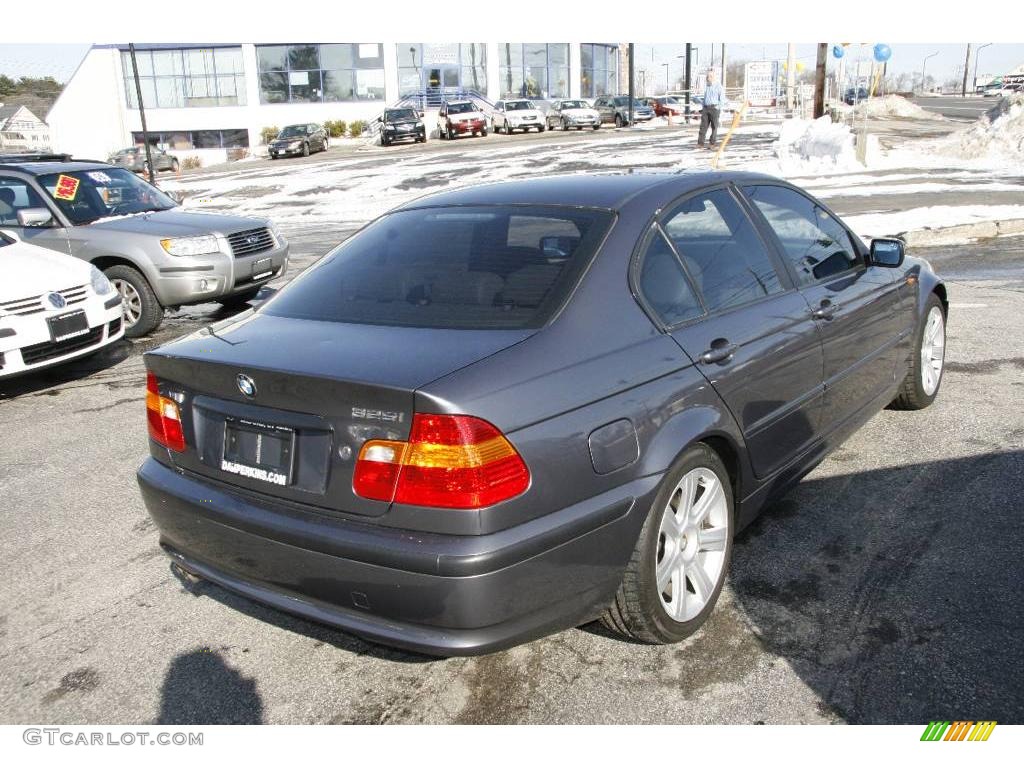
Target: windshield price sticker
point(99, 176)
point(67, 187)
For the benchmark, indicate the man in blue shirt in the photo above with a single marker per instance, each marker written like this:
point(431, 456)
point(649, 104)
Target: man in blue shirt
point(714, 100)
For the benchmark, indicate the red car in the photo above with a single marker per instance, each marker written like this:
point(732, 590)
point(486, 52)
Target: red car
point(667, 106)
point(459, 117)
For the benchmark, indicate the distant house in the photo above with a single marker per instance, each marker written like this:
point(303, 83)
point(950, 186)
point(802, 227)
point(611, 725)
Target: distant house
point(21, 131)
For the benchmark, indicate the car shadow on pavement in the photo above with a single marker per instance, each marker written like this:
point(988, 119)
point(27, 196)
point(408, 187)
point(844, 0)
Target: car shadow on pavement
point(895, 593)
point(65, 373)
point(201, 689)
point(321, 633)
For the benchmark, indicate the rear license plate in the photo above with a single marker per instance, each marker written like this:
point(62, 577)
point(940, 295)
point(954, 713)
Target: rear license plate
point(262, 268)
point(260, 451)
point(68, 326)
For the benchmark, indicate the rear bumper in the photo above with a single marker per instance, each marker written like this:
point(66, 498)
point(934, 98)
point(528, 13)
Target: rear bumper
point(431, 593)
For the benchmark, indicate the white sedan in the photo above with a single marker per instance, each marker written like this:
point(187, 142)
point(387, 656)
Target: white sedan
point(53, 308)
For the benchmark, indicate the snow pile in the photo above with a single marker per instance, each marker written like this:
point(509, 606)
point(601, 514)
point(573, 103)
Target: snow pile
point(894, 106)
point(812, 146)
point(997, 135)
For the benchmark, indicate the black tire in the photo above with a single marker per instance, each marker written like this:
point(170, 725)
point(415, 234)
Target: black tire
point(325, 145)
point(238, 300)
point(565, 124)
point(305, 149)
point(912, 395)
point(597, 127)
point(151, 314)
point(509, 130)
point(384, 141)
point(540, 129)
point(637, 610)
point(174, 165)
point(619, 122)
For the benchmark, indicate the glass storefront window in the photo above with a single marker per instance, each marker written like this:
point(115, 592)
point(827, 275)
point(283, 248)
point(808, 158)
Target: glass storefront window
point(534, 70)
point(231, 138)
point(326, 72)
point(441, 65)
point(599, 75)
point(186, 77)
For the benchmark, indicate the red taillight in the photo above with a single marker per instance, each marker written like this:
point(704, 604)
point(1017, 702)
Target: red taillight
point(459, 462)
point(163, 417)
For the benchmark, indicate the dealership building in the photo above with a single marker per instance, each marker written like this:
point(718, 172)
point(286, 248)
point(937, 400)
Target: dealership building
point(213, 101)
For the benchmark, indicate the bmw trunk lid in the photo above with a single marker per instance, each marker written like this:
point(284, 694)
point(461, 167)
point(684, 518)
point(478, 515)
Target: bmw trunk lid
point(281, 406)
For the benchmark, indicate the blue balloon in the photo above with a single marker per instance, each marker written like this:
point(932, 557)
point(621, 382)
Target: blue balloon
point(882, 52)
point(838, 51)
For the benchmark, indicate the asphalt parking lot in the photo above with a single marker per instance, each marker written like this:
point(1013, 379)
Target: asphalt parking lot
point(883, 589)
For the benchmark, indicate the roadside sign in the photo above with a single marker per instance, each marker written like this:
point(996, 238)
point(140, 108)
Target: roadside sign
point(761, 83)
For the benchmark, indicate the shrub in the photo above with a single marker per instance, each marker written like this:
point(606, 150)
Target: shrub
point(191, 162)
point(336, 128)
point(356, 128)
point(269, 133)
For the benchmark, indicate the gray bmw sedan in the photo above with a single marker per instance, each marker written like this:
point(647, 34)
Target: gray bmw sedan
point(506, 410)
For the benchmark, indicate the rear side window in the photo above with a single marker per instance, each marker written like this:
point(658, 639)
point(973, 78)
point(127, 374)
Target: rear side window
point(487, 267)
point(815, 243)
point(664, 285)
point(721, 250)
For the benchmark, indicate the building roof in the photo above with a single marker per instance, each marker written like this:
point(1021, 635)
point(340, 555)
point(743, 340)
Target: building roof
point(9, 111)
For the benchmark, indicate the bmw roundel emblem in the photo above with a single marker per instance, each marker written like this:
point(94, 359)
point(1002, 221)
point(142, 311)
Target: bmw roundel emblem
point(55, 300)
point(245, 385)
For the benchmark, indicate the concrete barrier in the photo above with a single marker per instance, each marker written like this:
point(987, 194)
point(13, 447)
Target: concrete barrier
point(962, 233)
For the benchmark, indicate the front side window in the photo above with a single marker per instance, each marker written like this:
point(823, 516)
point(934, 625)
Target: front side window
point(86, 196)
point(482, 267)
point(813, 241)
point(721, 250)
point(16, 195)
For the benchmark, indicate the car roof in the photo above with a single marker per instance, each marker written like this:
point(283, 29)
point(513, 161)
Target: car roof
point(610, 191)
point(42, 168)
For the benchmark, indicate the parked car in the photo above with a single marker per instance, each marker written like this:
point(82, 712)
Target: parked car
point(516, 115)
point(458, 117)
point(155, 255)
point(591, 384)
point(53, 307)
point(615, 109)
point(400, 123)
point(853, 95)
point(572, 113)
point(299, 140)
point(134, 159)
point(668, 106)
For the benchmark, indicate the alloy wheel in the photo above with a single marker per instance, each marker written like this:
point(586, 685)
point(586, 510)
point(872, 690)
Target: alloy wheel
point(933, 349)
point(131, 301)
point(692, 539)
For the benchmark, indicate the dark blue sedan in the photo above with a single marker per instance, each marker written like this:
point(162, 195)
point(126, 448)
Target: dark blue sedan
point(506, 410)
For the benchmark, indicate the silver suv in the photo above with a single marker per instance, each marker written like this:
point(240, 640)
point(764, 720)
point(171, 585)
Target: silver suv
point(156, 254)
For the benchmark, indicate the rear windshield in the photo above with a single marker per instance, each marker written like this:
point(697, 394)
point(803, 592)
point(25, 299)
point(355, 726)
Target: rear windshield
point(487, 267)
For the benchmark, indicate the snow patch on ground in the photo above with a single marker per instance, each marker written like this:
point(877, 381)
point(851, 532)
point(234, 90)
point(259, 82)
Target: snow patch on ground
point(814, 147)
point(996, 136)
point(869, 225)
point(894, 106)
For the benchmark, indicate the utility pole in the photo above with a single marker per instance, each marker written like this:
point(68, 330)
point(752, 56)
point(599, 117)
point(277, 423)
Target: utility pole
point(967, 70)
point(142, 114)
point(631, 84)
point(790, 78)
point(689, 81)
point(819, 80)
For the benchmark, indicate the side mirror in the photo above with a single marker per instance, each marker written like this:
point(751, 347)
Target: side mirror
point(887, 252)
point(35, 217)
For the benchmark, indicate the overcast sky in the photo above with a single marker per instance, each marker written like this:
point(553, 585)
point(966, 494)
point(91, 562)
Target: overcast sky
point(60, 60)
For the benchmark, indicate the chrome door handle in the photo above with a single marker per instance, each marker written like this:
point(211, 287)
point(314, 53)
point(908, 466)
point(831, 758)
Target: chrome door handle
point(825, 311)
point(721, 352)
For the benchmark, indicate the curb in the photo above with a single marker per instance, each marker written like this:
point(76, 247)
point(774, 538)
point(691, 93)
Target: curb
point(961, 233)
